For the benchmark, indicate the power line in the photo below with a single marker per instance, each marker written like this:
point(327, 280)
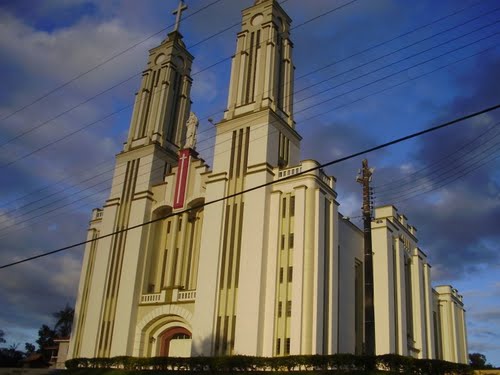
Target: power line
point(406, 47)
point(95, 67)
point(366, 151)
point(399, 36)
point(91, 98)
point(314, 71)
point(474, 167)
point(130, 105)
point(57, 183)
point(341, 106)
point(220, 32)
point(458, 170)
point(398, 184)
point(397, 84)
point(461, 149)
point(315, 105)
point(104, 181)
point(402, 70)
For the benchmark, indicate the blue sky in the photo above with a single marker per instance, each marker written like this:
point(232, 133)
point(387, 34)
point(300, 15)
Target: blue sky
point(50, 178)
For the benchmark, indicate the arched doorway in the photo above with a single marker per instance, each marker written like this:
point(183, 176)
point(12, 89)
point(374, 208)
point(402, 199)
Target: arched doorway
point(175, 342)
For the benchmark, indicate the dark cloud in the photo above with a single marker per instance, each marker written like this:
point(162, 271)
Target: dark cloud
point(463, 233)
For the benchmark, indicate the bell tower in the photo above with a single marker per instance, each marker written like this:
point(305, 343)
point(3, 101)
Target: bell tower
point(162, 103)
point(106, 313)
point(262, 70)
point(254, 139)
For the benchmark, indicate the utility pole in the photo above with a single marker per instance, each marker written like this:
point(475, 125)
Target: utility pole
point(364, 178)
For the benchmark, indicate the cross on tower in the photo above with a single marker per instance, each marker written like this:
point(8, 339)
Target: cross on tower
point(178, 13)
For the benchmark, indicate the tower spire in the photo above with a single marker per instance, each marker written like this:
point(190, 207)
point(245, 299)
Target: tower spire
point(262, 67)
point(163, 102)
point(178, 13)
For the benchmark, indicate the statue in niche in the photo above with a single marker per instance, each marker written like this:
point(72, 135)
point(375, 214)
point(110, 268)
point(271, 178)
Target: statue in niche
point(192, 130)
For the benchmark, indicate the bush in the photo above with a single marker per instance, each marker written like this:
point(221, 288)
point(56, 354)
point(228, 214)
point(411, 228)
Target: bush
point(240, 363)
point(396, 363)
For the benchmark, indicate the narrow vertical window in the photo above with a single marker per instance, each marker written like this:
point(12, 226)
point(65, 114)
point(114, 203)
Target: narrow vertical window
point(292, 206)
point(224, 335)
point(217, 335)
point(281, 275)
point(287, 346)
point(168, 226)
point(409, 299)
point(280, 309)
point(288, 308)
point(290, 240)
point(180, 224)
point(174, 266)
point(282, 242)
point(283, 214)
point(278, 346)
point(279, 72)
point(290, 274)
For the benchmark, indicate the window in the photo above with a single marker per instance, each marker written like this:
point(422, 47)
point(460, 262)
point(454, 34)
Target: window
point(409, 299)
point(168, 227)
point(281, 275)
point(283, 213)
point(292, 206)
point(282, 242)
point(278, 346)
point(180, 224)
point(290, 274)
point(287, 346)
point(288, 308)
point(181, 336)
point(280, 309)
point(290, 240)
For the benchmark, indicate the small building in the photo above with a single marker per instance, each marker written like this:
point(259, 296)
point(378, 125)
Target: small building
point(59, 353)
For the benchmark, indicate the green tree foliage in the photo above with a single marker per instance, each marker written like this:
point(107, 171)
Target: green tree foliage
point(64, 321)
point(29, 348)
point(10, 357)
point(478, 361)
point(46, 337)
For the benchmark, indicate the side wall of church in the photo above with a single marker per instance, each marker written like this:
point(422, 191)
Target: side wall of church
point(302, 310)
point(403, 296)
point(84, 288)
point(350, 288)
point(451, 328)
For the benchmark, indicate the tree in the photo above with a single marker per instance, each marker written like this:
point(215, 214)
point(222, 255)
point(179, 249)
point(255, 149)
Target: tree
point(29, 348)
point(46, 337)
point(2, 336)
point(64, 321)
point(478, 360)
point(10, 357)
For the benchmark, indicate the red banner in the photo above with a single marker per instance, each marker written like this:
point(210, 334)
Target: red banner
point(182, 175)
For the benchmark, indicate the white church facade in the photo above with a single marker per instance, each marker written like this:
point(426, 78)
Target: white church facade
point(274, 271)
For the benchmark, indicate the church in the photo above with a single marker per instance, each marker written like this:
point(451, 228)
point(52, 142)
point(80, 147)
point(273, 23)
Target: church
point(271, 272)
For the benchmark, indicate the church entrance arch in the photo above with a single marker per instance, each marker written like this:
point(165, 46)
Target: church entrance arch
point(174, 341)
